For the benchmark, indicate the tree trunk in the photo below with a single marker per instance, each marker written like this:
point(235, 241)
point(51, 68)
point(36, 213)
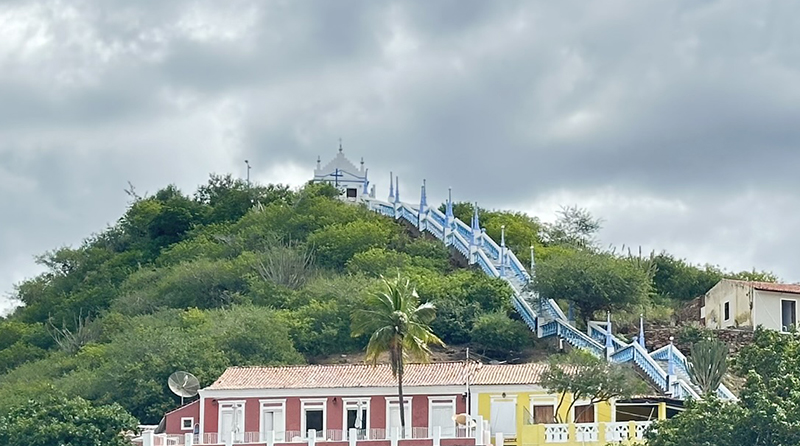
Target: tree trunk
point(400, 394)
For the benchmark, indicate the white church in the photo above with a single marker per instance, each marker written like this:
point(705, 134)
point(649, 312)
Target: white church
point(344, 175)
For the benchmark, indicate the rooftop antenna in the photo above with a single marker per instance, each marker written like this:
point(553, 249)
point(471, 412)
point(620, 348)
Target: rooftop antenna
point(183, 384)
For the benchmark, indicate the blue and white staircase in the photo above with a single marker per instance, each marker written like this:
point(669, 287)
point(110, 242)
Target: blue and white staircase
point(666, 367)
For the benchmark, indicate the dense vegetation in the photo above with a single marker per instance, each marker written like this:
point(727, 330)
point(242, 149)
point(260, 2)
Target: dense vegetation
point(238, 275)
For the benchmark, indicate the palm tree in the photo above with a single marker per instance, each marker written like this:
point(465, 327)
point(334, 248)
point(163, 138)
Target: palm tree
point(708, 364)
point(398, 324)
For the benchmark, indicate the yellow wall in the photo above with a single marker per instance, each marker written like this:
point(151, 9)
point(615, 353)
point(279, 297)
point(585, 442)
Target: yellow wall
point(529, 435)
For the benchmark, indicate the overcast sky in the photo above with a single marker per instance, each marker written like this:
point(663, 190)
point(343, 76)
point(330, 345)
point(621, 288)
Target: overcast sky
point(676, 122)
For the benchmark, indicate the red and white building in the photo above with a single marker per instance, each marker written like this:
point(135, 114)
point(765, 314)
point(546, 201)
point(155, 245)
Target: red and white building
point(335, 404)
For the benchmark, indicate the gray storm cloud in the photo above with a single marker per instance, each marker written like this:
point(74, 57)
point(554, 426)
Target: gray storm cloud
point(674, 121)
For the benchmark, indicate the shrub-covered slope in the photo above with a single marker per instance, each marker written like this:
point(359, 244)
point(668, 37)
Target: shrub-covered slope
point(238, 275)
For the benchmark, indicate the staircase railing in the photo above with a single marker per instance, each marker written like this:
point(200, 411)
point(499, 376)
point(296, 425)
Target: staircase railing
point(486, 265)
point(682, 362)
point(460, 239)
point(578, 338)
point(524, 309)
point(649, 366)
point(463, 229)
point(461, 244)
point(437, 216)
point(435, 228)
point(517, 267)
point(492, 249)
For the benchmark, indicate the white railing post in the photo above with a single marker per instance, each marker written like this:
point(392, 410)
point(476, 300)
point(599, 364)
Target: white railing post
point(479, 431)
point(498, 439)
point(395, 434)
point(147, 438)
point(437, 436)
point(188, 439)
point(229, 440)
point(352, 436)
point(270, 438)
point(312, 437)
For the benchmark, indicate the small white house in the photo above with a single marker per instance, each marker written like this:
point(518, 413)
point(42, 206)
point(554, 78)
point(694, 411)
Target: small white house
point(739, 303)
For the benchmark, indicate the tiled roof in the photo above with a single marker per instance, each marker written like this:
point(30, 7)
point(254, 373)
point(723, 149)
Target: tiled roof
point(338, 376)
point(363, 375)
point(488, 374)
point(776, 287)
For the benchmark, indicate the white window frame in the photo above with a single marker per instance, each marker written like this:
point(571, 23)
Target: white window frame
point(352, 403)
point(441, 401)
point(581, 403)
point(543, 401)
point(232, 404)
point(313, 404)
point(407, 402)
point(183, 423)
point(795, 312)
point(272, 405)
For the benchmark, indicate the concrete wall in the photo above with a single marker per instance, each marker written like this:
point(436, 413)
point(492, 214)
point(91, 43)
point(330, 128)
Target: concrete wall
point(767, 308)
point(737, 294)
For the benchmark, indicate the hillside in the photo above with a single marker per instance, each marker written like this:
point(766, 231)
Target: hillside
point(239, 275)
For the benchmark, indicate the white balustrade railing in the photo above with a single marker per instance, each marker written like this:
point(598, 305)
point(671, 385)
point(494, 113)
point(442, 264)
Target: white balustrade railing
point(168, 440)
point(556, 433)
point(587, 432)
point(617, 431)
point(330, 435)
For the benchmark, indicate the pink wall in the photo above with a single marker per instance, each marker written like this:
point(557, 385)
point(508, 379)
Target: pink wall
point(377, 416)
point(173, 419)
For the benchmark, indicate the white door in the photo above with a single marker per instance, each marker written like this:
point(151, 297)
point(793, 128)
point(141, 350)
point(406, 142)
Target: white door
point(232, 420)
point(226, 425)
point(272, 420)
point(442, 416)
point(503, 417)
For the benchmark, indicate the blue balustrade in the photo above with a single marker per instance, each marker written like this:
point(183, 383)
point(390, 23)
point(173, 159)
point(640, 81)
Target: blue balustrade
point(491, 248)
point(409, 215)
point(555, 310)
point(623, 355)
point(597, 334)
point(486, 265)
point(434, 229)
point(525, 311)
point(464, 230)
point(461, 245)
point(437, 216)
point(519, 272)
point(578, 339)
point(386, 210)
point(549, 329)
point(649, 366)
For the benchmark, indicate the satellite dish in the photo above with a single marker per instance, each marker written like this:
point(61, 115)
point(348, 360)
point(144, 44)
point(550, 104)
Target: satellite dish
point(183, 384)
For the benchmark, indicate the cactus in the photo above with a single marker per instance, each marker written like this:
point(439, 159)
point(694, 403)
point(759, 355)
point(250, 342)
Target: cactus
point(708, 364)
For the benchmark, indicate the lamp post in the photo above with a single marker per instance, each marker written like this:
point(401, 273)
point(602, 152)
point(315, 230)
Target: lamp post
point(246, 162)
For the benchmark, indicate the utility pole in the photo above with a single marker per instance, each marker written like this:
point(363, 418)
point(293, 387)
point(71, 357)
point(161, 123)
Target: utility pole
point(248, 172)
